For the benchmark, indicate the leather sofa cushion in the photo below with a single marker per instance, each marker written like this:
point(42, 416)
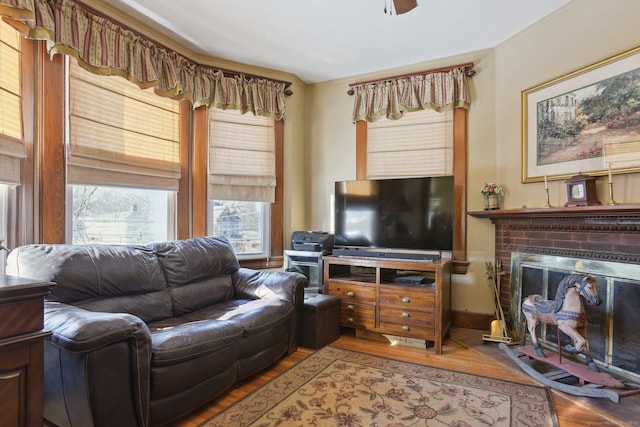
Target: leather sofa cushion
point(191, 260)
point(253, 316)
point(173, 342)
point(199, 294)
point(148, 307)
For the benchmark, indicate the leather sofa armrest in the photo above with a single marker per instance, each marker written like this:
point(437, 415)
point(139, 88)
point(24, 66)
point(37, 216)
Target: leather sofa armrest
point(95, 359)
point(78, 330)
point(254, 284)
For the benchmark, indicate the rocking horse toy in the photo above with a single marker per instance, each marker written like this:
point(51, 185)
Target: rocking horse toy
point(566, 311)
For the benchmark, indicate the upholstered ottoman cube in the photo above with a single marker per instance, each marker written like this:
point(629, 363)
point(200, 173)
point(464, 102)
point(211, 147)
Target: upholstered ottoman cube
point(320, 320)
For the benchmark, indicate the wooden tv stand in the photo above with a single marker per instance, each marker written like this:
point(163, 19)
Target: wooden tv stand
point(378, 295)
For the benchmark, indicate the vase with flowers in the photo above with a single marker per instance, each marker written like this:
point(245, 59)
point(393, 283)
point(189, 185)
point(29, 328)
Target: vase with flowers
point(491, 192)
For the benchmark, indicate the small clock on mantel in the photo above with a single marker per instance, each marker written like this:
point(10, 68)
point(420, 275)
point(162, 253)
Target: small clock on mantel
point(581, 191)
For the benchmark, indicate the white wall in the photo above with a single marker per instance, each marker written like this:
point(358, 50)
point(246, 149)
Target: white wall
point(581, 33)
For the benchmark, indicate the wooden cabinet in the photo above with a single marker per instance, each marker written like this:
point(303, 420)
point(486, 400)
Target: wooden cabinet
point(21, 351)
point(403, 298)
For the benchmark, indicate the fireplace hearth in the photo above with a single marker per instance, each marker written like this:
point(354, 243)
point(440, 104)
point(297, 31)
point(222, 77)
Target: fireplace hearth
point(612, 332)
point(545, 244)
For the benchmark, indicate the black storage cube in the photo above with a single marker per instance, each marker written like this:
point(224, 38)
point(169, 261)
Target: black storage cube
point(320, 320)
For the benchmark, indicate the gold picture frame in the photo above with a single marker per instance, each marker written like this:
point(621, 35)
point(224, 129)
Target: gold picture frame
point(587, 121)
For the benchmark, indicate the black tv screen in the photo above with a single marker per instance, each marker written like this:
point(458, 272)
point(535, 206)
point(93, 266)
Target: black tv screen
point(408, 213)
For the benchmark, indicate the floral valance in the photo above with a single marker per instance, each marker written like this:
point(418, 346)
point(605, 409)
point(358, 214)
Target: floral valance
point(391, 98)
point(104, 46)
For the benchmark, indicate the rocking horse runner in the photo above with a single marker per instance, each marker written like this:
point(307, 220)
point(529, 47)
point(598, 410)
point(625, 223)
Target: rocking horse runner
point(566, 311)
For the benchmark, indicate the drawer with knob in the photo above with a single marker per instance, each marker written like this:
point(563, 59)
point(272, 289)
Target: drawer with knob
point(353, 293)
point(405, 296)
point(408, 316)
point(357, 315)
point(407, 330)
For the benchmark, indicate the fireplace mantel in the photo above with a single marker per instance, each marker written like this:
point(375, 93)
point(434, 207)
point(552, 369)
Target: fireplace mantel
point(597, 232)
point(555, 212)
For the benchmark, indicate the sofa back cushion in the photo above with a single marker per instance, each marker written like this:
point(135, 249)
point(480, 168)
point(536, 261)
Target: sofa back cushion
point(198, 271)
point(111, 278)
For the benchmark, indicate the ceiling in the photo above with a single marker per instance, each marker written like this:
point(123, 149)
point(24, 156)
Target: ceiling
point(331, 39)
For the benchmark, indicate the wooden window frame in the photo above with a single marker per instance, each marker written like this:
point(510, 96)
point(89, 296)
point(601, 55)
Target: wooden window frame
point(51, 154)
point(199, 199)
point(459, 255)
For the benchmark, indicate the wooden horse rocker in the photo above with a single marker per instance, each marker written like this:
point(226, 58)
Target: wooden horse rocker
point(567, 312)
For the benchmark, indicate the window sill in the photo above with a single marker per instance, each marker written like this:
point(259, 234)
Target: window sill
point(263, 263)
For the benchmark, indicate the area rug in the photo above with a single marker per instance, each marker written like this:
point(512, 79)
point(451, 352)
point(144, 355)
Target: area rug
point(335, 387)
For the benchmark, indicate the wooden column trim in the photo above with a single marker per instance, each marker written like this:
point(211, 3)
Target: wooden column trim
point(460, 188)
point(183, 219)
point(51, 148)
point(277, 208)
point(361, 149)
point(199, 171)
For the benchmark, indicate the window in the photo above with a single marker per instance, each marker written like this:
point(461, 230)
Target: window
point(12, 129)
point(244, 224)
point(241, 180)
point(123, 165)
point(120, 215)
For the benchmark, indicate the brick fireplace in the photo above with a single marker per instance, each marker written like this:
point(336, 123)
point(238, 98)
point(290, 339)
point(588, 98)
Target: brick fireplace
point(601, 240)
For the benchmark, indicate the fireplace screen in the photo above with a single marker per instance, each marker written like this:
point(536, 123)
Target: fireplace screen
point(612, 331)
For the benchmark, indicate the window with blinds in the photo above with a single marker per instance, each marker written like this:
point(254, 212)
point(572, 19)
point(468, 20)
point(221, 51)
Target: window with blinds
point(419, 144)
point(123, 162)
point(120, 134)
point(242, 180)
point(12, 149)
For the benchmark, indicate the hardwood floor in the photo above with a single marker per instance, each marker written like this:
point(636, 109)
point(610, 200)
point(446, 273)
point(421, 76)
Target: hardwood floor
point(460, 353)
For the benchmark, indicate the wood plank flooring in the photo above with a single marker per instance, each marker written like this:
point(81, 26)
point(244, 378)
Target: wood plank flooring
point(460, 353)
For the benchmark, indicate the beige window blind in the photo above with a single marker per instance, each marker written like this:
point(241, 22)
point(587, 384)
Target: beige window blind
point(418, 144)
point(120, 134)
point(12, 149)
point(242, 163)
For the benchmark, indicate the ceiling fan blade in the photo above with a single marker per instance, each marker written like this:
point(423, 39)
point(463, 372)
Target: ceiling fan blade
point(404, 6)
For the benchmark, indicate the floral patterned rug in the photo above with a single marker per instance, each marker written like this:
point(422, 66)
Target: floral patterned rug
point(335, 387)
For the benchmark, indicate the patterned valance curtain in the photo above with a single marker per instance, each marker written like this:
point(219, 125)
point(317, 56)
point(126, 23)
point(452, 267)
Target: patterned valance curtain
point(103, 46)
point(439, 91)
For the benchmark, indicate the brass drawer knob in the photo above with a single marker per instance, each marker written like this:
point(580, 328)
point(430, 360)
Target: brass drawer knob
point(350, 320)
point(406, 328)
point(405, 314)
point(350, 307)
point(406, 300)
point(351, 294)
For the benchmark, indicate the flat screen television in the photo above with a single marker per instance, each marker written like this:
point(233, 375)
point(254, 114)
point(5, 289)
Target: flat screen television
point(407, 213)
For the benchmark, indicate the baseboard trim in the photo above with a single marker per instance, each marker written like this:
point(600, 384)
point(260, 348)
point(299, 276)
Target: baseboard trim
point(468, 320)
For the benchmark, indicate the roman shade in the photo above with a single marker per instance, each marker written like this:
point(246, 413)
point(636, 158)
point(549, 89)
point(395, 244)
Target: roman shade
point(120, 134)
point(242, 163)
point(12, 149)
point(421, 144)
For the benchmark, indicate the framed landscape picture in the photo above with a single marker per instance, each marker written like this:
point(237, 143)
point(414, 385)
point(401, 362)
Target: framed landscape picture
point(587, 121)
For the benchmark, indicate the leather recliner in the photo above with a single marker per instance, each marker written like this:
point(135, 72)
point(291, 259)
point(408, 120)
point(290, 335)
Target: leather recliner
point(144, 334)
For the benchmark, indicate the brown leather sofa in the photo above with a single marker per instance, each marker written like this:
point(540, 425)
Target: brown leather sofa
point(144, 334)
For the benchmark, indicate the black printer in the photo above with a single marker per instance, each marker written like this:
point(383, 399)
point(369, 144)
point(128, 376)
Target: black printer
point(312, 241)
